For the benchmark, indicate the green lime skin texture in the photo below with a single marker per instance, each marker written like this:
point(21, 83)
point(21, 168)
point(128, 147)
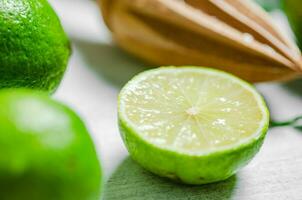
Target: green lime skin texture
point(172, 135)
point(34, 49)
point(293, 10)
point(46, 151)
point(193, 170)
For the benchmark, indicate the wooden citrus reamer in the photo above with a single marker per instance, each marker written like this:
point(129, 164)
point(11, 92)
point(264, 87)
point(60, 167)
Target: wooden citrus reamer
point(233, 35)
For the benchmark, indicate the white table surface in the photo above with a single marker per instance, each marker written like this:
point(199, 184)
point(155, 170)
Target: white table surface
point(96, 72)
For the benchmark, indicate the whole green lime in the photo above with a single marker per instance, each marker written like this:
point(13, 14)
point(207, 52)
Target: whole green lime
point(293, 10)
point(34, 49)
point(46, 151)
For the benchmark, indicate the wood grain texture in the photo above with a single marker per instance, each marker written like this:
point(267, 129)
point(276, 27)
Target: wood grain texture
point(236, 36)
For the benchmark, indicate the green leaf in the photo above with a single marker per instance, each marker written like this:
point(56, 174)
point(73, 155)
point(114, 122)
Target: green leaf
point(295, 122)
point(293, 10)
point(269, 5)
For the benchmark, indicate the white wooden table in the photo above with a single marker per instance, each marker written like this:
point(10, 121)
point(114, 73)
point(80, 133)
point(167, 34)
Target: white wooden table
point(96, 72)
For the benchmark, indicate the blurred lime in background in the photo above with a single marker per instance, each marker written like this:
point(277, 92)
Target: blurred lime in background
point(34, 47)
point(293, 10)
point(46, 151)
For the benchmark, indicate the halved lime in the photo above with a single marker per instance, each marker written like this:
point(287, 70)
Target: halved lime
point(190, 124)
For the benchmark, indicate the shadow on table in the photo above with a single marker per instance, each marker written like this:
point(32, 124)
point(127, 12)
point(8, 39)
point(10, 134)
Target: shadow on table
point(109, 62)
point(117, 67)
point(294, 86)
point(131, 182)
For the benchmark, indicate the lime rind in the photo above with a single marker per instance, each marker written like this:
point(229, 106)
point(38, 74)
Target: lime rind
point(189, 169)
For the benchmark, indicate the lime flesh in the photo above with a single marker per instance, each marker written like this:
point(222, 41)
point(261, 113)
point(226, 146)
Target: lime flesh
point(193, 119)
